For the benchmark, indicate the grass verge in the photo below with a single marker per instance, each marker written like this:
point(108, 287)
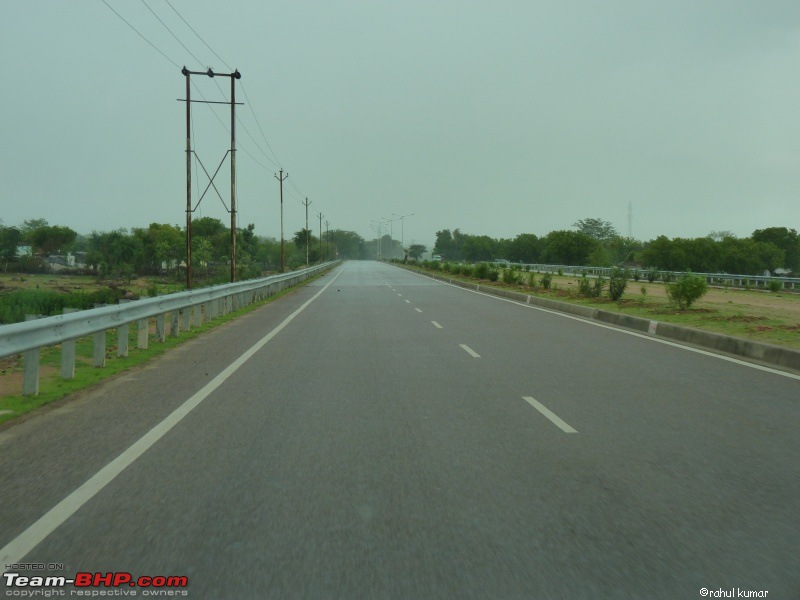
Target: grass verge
point(757, 315)
point(52, 387)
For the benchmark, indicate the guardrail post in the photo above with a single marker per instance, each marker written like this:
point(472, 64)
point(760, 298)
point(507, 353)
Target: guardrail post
point(142, 331)
point(161, 327)
point(30, 363)
point(68, 353)
point(198, 315)
point(122, 336)
point(99, 349)
point(99, 346)
point(174, 323)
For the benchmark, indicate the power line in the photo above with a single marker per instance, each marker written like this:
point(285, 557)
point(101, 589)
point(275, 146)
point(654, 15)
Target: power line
point(199, 36)
point(140, 35)
point(172, 34)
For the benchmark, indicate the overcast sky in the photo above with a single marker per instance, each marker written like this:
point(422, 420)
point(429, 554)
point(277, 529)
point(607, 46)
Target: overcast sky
point(497, 118)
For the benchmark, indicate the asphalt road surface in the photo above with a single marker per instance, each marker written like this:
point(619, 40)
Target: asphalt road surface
point(378, 434)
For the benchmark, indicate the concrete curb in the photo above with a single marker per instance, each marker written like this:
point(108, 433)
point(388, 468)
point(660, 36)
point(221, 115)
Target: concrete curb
point(759, 352)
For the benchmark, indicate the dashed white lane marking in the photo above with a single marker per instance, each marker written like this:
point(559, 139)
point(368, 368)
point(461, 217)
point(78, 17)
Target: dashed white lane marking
point(435, 324)
point(408, 301)
point(470, 351)
point(549, 414)
point(20, 546)
point(418, 310)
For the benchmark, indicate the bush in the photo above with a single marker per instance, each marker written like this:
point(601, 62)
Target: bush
point(467, 270)
point(493, 275)
point(688, 289)
point(617, 283)
point(652, 275)
point(482, 271)
point(532, 279)
point(510, 276)
point(775, 286)
point(584, 289)
point(547, 278)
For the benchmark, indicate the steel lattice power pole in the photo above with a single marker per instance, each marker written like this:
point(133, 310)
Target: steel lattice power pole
point(280, 179)
point(189, 210)
point(188, 183)
point(306, 203)
point(234, 77)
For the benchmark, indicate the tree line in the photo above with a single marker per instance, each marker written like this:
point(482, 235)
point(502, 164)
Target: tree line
point(596, 243)
point(161, 248)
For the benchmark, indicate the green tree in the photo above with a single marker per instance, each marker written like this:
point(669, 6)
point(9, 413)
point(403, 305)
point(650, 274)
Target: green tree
point(51, 239)
point(567, 247)
point(601, 230)
point(415, 251)
point(786, 239)
point(10, 238)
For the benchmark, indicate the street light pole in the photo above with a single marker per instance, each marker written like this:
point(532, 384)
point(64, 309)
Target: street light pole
point(402, 228)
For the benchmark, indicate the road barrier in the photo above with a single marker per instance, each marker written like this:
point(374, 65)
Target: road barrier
point(184, 309)
point(767, 354)
point(717, 279)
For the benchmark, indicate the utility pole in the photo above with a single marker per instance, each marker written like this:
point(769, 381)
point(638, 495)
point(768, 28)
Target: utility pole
point(189, 210)
point(280, 179)
point(327, 239)
point(306, 203)
point(320, 215)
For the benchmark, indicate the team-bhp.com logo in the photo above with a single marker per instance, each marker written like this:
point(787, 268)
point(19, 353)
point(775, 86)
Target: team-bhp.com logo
point(18, 584)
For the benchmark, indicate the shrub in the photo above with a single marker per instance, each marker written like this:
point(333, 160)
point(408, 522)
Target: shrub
point(688, 289)
point(667, 277)
point(532, 279)
point(510, 276)
point(560, 272)
point(493, 275)
point(467, 270)
point(547, 278)
point(652, 275)
point(482, 271)
point(584, 289)
point(617, 283)
point(447, 267)
point(775, 286)
point(637, 275)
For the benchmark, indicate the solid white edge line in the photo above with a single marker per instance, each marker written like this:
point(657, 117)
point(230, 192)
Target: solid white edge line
point(20, 546)
point(737, 361)
point(470, 351)
point(549, 414)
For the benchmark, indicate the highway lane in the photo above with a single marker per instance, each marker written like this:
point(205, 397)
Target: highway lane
point(364, 452)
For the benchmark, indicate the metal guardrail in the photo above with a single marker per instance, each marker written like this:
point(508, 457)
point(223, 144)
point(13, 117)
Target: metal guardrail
point(757, 281)
point(204, 304)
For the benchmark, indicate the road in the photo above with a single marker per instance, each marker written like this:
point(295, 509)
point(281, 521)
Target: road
point(378, 434)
